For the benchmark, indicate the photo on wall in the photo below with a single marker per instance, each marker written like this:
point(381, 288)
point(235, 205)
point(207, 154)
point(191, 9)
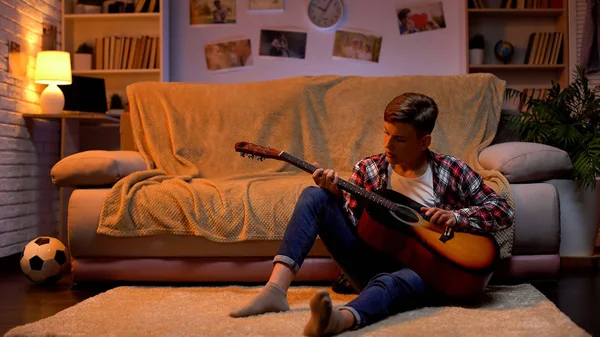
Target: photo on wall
point(17, 60)
point(282, 44)
point(265, 5)
point(228, 55)
point(420, 17)
point(212, 12)
point(356, 45)
point(48, 36)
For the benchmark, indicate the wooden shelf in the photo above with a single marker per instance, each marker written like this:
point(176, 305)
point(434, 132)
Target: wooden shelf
point(534, 12)
point(100, 117)
point(517, 67)
point(115, 71)
point(112, 16)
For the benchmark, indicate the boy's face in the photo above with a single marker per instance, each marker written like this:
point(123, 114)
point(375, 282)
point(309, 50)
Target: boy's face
point(403, 144)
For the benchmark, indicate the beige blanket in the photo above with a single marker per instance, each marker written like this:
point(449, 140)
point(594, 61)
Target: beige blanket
point(198, 185)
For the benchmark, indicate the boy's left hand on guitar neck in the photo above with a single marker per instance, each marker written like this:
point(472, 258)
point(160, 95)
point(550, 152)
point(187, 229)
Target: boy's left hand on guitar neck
point(440, 216)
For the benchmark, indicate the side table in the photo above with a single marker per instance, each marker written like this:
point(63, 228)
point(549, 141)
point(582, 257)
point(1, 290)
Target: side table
point(70, 121)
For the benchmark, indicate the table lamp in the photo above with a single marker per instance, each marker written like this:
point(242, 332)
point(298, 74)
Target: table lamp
point(52, 67)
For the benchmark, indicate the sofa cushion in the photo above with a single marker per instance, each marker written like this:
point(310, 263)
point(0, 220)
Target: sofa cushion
point(526, 162)
point(96, 168)
point(85, 242)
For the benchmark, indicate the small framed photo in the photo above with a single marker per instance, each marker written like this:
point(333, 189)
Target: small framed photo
point(265, 5)
point(282, 44)
point(48, 36)
point(357, 46)
point(228, 55)
point(212, 12)
point(420, 17)
point(17, 60)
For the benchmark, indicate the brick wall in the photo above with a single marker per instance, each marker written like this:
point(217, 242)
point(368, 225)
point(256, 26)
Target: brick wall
point(28, 149)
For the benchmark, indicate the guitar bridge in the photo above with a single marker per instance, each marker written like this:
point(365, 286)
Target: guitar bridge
point(448, 234)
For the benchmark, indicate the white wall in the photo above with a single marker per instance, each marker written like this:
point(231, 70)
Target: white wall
point(28, 200)
point(440, 52)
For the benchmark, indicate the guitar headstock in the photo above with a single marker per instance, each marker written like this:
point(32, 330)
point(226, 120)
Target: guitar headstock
point(259, 151)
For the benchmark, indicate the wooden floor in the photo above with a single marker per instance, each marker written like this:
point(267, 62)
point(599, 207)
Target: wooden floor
point(576, 293)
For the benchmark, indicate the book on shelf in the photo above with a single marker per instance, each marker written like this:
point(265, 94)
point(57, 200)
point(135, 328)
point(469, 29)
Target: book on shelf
point(531, 4)
point(147, 6)
point(544, 48)
point(127, 52)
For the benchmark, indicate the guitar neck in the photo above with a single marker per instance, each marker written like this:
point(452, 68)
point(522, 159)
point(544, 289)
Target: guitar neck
point(342, 184)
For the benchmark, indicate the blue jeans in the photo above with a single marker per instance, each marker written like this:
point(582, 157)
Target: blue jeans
point(385, 286)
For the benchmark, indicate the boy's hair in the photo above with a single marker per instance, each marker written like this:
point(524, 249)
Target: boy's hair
point(415, 109)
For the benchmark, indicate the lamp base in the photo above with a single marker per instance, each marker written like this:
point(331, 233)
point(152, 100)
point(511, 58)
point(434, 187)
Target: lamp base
point(52, 100)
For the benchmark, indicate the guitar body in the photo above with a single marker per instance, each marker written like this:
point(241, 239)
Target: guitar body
point(460, 267)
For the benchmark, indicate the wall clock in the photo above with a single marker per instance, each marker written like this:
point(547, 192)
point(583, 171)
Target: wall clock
point(326, 14)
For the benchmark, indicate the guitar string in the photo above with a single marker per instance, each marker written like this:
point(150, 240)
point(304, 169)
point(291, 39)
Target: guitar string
point(370, 195)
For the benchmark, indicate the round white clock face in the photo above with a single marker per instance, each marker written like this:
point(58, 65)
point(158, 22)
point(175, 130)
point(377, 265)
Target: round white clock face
point(325, 13)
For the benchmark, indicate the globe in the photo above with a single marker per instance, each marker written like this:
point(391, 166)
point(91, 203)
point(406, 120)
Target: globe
point(504, 51)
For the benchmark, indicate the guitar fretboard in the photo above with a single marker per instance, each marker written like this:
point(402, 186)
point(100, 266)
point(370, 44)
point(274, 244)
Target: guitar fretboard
point(342, 184)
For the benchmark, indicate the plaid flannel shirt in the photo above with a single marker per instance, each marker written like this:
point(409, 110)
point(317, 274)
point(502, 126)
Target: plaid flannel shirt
point(457, 187)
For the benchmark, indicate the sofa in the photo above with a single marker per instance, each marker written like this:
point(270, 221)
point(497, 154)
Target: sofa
point(189, 130)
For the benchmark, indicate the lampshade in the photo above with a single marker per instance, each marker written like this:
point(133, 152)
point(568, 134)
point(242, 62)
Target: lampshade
point(53, 67)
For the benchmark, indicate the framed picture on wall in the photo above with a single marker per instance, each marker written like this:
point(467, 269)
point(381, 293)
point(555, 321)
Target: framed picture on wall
point(48, 36)
point(282, 44)
point(212, 12)
point(227, 55)
point(265, 5)
point(18, 60)
point(357, 46)
point(420, 17)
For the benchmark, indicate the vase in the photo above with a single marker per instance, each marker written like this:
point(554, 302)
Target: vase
point(82, 61)
point(475, 56)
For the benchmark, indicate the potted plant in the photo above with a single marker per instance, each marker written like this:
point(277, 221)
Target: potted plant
point(82, 59)
point(476, 47)
point(569, 119)
point(116, 105)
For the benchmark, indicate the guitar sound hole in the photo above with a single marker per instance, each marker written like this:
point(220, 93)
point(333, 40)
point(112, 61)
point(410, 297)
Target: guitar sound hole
point(407, 216)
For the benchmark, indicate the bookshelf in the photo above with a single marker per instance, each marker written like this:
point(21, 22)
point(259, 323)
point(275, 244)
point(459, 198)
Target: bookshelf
point(127, 47)
point(546, 18)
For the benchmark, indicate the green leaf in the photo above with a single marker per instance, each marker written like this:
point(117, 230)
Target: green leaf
point(568, 118)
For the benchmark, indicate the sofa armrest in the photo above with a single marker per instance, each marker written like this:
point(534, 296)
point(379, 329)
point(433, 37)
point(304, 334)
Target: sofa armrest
point(96, 168)
point(523, 162)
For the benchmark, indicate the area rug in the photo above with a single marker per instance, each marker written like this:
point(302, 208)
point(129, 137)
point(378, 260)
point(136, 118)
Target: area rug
point(519, 310)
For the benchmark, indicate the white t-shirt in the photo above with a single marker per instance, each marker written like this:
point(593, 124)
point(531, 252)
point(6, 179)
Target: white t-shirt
point(419, 189)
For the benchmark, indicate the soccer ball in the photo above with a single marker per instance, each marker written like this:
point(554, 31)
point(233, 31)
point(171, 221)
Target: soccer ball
point(45, 260)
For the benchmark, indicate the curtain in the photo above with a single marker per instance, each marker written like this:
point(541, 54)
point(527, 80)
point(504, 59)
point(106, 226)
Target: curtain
point(590, 53)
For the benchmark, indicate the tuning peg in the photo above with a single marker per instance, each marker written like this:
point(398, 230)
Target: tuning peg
point(251, 156)
point(242, 154)
point(260, 158)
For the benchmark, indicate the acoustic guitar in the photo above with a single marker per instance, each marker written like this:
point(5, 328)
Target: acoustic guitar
point(458, 264)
